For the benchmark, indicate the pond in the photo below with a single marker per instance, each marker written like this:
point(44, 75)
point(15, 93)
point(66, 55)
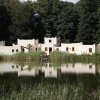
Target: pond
point(49, 81)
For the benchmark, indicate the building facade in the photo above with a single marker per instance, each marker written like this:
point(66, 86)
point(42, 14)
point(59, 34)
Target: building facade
point(49, 45)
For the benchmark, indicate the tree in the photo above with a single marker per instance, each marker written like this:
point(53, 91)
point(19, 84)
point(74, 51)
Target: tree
point(22, 21)
point(49, 10)
point(66, 24)
point(88, 21)
point(5, 20)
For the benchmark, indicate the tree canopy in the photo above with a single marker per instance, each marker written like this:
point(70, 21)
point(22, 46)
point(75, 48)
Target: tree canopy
point(78, 22)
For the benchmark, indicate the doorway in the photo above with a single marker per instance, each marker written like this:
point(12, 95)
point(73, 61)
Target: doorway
point(50, 50)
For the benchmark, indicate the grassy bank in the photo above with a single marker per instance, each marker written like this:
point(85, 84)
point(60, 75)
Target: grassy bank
point(63, 56)
point(30, 56)
point(54, 56)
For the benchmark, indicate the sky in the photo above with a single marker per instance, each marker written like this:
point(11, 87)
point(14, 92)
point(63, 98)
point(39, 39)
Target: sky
point(74, 1)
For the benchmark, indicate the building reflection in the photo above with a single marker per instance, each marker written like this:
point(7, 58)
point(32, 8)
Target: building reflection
point(48, 70)
point(78, 68)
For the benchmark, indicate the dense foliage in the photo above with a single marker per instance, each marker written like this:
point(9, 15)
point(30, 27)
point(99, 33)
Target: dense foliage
point(71, 22)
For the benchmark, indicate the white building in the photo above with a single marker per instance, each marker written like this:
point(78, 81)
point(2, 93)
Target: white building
point(9, 50)
point(77, 48)
point(49, 45)
point(34, 44)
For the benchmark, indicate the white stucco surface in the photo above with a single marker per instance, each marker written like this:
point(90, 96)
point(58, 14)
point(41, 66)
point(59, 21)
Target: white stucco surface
point(10, 49)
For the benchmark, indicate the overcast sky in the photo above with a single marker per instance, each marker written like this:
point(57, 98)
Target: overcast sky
point(74, 1)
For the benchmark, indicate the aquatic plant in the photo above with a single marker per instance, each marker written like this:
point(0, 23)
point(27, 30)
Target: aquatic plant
point(63, 56)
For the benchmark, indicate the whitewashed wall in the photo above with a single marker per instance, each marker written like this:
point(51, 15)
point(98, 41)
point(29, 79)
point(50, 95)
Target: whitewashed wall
point(43, 46)
point(54, 40)
point(10, 49)
point(26, 42)
point(98, 48)
point(79, 48)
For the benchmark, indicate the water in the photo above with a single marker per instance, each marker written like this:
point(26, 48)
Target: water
point(47, 69)
point(81, 80)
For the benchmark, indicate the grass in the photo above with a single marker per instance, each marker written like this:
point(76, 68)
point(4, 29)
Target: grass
point(54, 56)
point(30, 56)
point(48, 91)
point(63, 56)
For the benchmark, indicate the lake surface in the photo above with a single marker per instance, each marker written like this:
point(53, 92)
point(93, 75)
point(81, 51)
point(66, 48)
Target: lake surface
point(79, 80)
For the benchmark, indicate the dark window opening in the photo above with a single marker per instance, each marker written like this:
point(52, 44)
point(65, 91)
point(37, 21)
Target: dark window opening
point(50, 65)
point(17, 50)
point(50, 50)
point(12, 66)
point(12, 50)
point(36, 49)
point(66, 48)
point(49, 41)
point(17, 66)
point(46, 49)
point(66, 65)
point(90, 66)
point(73, 49)
point(90, 50)
point(23, 49)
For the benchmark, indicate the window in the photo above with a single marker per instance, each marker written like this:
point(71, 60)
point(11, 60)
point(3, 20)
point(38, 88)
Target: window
point(49, 41)
point(66, 48)
point(16, 50)
point(90, 66)
point(46, 49)
point(16, 66)
point(66, 65)
point(12, 50)
point(35, 49)
point(50, 65)
point(23, 49)
point(12, 66)
point(90, 50)
point(73, 49)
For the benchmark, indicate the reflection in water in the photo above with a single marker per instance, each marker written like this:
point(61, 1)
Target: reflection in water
point(70, 81)
point(78, 68)
point(48, 69)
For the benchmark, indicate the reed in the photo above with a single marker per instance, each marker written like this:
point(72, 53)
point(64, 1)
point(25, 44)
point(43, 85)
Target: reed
point(63, 56)
point(29, 56)
point(48, 91)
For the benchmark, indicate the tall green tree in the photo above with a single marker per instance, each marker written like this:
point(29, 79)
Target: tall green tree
point(49, 10)
point(22, 20)
point(97, 35)
point(66, 24)
point(88, 21)
point(5, 20)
